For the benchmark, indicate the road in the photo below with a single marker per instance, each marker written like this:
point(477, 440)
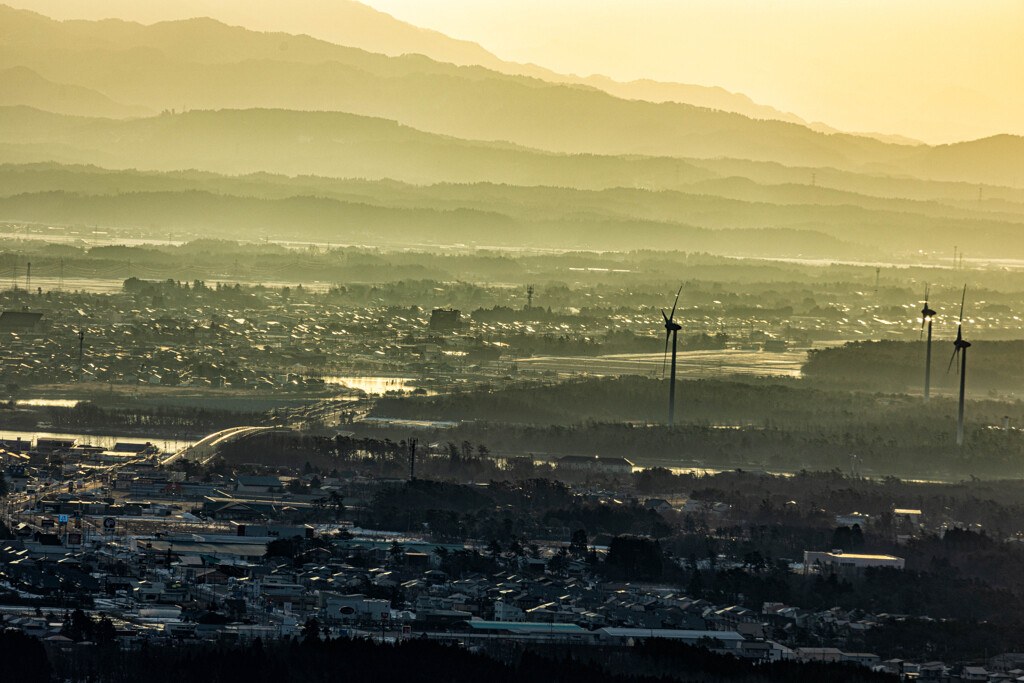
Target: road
point(206, 449)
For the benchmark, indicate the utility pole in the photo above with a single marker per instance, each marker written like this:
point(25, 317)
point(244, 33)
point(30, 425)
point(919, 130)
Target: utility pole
point(412, 459)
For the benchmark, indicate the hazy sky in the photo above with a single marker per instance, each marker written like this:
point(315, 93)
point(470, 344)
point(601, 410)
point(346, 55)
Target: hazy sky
point(934, 69)
point(884, 65)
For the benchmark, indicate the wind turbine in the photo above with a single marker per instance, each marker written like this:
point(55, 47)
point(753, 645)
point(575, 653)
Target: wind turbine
point(671, 330)
point(960, 346)
point(927, 315)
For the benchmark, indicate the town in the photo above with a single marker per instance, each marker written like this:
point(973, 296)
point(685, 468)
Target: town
point(139, 546)
point(225, 463)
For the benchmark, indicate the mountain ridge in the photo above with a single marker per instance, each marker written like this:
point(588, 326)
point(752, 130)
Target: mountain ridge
point(355, 24)
point(20, 85)
point(161, 67)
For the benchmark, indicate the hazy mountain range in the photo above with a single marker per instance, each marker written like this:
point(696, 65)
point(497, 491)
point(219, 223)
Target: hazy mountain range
point(642, 156)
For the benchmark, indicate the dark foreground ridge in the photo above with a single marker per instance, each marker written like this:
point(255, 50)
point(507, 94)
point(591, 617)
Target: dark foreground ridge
point(311, 660)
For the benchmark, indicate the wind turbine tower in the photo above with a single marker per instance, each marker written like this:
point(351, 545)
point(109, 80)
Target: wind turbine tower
point(960, 347)
point(81, 346)
point(927, 315)
point(672, 330)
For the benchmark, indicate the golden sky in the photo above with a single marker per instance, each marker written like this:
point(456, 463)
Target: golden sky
point(937, 70)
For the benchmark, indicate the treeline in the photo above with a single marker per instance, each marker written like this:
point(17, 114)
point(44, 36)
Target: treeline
point(994, 366)
point(413, 661)
point(943, 608)
point(503, 511)
point(667, 658)
point(780, 403)
point(915, 448)
point(373, 457)
point(162, 420)
point(993, 506)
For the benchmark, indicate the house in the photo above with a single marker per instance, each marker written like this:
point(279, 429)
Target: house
point(838, 561)
point(159, 592)
point(137, 448)
point(974, 673)
point(20, 321)
point(533, 631)
point(853, 519)
point(819, 654)
point(595, 465)
point(866, 659)
point(697, 506)
point(351, 608)
point(281, 589)
point(45, 545)
point(907, 515)
point(933, 671)
point(719, 641)
point(444, 319)
point(15, 445)
point(258, 484)
point(657, 504)
point(17, 478)
point(270, 530)
point(48, 446)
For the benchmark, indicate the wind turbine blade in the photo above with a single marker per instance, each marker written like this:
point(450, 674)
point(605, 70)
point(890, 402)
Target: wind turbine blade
point(663, 315)
point(963, 298)
point(949, 367)
point(672, 317)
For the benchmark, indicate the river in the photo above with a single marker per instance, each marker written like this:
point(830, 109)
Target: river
point(104, 440)
point(375, 385)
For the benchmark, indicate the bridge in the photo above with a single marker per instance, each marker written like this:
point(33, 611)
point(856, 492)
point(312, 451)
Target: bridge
point(205, 450)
